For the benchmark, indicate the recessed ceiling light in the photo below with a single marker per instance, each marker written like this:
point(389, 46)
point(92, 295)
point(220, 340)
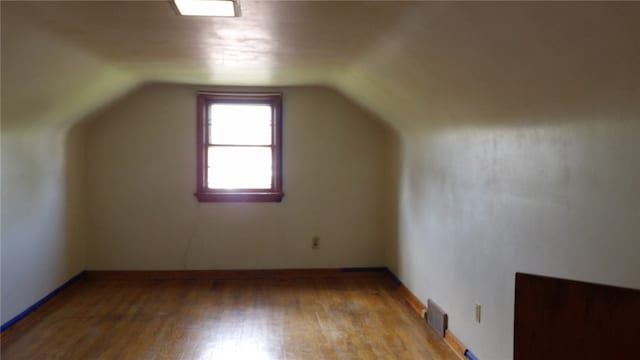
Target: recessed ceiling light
point(206, 7)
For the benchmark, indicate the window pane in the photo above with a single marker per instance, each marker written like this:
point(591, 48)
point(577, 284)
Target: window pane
point(240, 124)
point(239, 167)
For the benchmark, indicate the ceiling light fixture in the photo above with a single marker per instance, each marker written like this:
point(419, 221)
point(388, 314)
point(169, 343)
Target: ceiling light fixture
point(207, 7)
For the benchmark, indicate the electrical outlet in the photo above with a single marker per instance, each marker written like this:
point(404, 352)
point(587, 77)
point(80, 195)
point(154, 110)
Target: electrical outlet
point(478, 312)
point(315, 242)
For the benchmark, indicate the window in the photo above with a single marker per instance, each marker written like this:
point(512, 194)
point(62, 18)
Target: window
point(239, 147)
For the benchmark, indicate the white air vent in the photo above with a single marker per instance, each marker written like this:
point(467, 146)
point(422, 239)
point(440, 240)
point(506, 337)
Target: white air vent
point(436, 318)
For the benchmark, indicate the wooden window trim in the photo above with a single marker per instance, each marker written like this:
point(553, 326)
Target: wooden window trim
point(203, 192)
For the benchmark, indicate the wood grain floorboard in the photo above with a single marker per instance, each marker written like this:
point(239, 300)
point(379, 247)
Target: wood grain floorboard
point(346, 316)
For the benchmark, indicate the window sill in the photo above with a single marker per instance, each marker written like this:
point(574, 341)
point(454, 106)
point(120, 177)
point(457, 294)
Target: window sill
point(239, 196)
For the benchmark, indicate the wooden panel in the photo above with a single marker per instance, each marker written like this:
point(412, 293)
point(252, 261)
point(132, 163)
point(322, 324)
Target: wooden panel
point(565, 319)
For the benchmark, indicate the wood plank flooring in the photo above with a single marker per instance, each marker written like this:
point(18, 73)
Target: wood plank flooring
point(333, 315)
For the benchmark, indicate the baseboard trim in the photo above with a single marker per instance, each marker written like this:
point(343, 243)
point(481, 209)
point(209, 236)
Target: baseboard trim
point(455, 344)
point(413, 301)
point(421, 309)
point(236, 274)
point(41, 302)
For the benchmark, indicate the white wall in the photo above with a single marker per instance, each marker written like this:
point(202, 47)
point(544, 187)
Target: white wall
point(47, 84)
point(42, 244)
point(141, 180)
point(520, 132)
point(481, 202)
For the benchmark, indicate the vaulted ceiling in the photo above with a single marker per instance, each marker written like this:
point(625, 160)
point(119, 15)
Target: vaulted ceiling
point(402, 60)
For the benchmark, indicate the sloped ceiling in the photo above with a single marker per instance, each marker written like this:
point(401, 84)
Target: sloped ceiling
point(272, 43)
point(399, 59)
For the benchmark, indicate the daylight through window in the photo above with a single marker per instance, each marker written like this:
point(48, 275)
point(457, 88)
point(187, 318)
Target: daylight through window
point(239, 147)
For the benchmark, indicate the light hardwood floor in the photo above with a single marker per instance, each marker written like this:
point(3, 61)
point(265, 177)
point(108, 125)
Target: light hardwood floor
point(313, 315)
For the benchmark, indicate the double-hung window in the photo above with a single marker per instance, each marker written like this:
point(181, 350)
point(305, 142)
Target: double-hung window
point(239, 147)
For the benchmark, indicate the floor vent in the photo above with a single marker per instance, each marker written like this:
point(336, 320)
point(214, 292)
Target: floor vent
point(436, 318)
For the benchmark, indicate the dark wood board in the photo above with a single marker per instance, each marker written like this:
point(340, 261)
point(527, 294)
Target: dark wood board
point(566, 319)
